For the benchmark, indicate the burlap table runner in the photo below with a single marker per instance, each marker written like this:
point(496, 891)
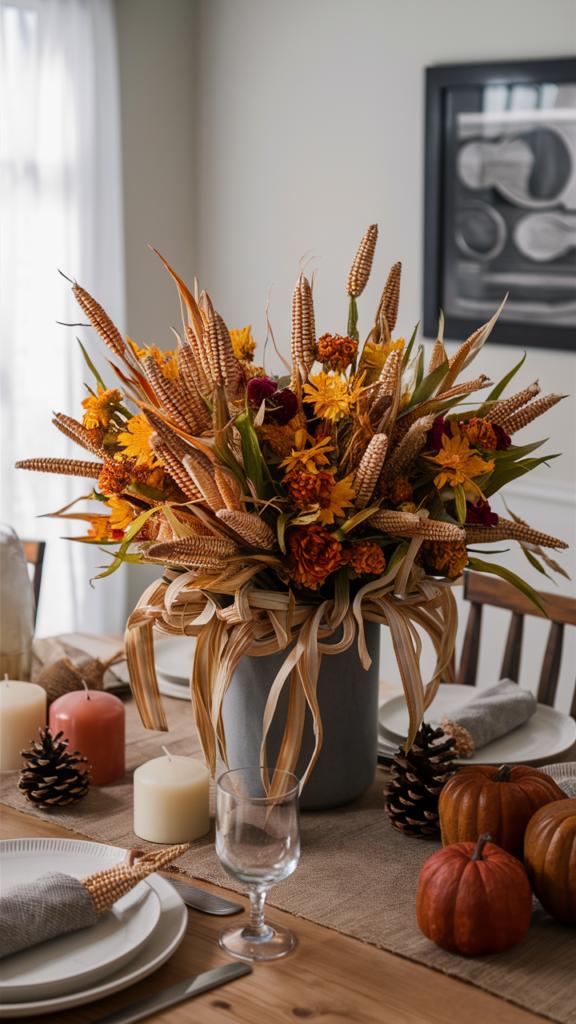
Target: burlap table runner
point(356, 875)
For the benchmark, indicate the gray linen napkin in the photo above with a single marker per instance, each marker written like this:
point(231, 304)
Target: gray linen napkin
point(491, 713)
point(36, 911)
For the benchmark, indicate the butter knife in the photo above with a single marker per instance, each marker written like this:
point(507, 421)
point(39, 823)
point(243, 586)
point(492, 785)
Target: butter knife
point(177, 994)
point(207, 902)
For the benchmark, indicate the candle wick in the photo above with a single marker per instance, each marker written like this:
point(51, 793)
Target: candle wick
point(85, 685)
point(168, 754)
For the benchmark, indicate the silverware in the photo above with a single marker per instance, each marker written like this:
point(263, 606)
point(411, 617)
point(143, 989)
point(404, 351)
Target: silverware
point(207, 902)
point(177, 994)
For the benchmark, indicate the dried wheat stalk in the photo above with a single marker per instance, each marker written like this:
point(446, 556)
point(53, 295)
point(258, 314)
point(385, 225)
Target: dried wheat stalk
point(175, 469)
point(66, 467)
point(228, 489)
point(205, 481)
point(303, 337)
point(251, 528)
point(508, 530)
point(78, 433)
point(362, 263)
point(100, 321)
point(369, 470)
point(531, 412)
point(409, 448)
point(406, 524)
point(502, 411)
point(108, 886)
point(390, 299)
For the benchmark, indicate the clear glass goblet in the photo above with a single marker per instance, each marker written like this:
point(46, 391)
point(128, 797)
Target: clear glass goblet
point(258, 843)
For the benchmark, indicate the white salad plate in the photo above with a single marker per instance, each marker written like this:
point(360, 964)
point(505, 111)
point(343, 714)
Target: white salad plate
point(26, 859)
point(173, 657)
point(170, 689)
point(547, 736)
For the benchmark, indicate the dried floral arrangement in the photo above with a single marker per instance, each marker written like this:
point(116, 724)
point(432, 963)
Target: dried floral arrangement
point(284, 508)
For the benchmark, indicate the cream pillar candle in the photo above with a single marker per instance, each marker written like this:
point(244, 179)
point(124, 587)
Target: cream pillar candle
point(22, 713)
point(171, 799)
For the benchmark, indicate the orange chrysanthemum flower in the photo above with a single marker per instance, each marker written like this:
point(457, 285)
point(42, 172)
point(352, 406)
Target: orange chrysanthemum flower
point(398, 490)
point(482, 433)
point(99, 409)
point(313, 553)
point(115, 475)
point(136, 441)
point(336, 351)
point(366, 556)
point(449, 558)
point(301, 487)
point(459, 464)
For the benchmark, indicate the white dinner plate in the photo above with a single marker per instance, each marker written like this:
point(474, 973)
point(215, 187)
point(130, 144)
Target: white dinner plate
point(173, 657)
point(170, 689)
point(81, 858)
point(547, 736)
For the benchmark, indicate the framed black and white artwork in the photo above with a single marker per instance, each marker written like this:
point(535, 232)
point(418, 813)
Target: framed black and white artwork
point(500, 201)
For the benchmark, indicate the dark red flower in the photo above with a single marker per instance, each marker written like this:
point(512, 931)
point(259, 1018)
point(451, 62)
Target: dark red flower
point(481, 513)
point(260, 388)
point(503, 439)
point(436, 433)
point(286, 407)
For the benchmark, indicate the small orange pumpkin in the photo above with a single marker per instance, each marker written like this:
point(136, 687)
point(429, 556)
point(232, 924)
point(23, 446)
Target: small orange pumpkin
point(474, 898)
point(550, 858)
point(501, 801)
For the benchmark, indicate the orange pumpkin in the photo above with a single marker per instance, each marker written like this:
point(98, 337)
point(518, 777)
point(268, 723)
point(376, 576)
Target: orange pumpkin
point(550, 858)
point(474, 898)
point(501, 801)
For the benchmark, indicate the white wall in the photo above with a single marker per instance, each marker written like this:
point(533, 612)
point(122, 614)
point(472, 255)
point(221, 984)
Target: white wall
point(311, 128)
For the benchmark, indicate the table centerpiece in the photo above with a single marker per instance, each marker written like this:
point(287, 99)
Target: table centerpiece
point(290, 510)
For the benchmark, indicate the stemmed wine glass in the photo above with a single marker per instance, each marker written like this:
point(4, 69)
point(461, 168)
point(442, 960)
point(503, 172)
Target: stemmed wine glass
point(257, 843)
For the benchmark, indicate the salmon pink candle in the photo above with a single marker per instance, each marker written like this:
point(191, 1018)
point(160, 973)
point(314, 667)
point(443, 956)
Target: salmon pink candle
point(93, 723)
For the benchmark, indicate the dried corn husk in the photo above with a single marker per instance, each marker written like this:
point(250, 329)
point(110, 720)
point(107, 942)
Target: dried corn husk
point(406, 524)
point(66, 467)
point(108, 886)
point(502, 411)
point(251, 528)
point(362, 263)
point(530, 412)
point(509, 530)
point(369, 470)
point(390, 300)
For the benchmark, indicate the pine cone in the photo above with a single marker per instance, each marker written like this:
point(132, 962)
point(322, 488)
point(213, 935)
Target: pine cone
point(50, 776)
point(417, 779)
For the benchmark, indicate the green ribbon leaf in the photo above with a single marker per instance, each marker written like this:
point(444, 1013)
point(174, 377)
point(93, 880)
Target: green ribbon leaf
point(460, 500)
point(498, 570)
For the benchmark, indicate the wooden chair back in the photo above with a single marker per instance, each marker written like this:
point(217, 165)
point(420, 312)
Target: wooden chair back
point(481, 590)
point(34, 551)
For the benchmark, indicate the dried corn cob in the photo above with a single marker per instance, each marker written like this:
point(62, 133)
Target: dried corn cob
point(502, 411)
point(406, 453)
point(456, 363)
point(205, 379)
point(101, 322)
point(369, 469)
point(191, 378)
point(230, 368)
point(390, 300)
point(66, 467)
point(390, 374)
point(200, 551)
point(250, 527)
point(508, 530)
point(205, 481)
point(303, 338)
point(175, 469)
point(165, 393)
point(362, 263)
point(438, 355)
point(78, 433)
point(109, 885)
point(192, 522)
point(406, 524)
point(531, 412)
point(228, 489)
point(466, 388)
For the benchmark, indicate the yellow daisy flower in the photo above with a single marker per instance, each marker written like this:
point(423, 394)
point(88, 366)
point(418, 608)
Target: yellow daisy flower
point(99, 409)
point(308, 458)
point(340, 496)
point(243, 344)
point(459, 464)
point(136, 441)
point(122, 515)
point(167, 361)
point(330, 394)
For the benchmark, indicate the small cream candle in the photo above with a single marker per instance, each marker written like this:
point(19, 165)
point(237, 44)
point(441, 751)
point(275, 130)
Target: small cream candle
point(171, 799)
point(22, 713)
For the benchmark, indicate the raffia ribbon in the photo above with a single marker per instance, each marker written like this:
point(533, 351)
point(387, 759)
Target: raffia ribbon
point(258, 623)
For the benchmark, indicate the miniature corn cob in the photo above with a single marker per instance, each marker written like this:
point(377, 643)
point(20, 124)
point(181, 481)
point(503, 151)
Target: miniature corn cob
point(251, 528)
point(303, 339)
point(390, 374)
point(165, 393)
point(192, 378)
point(66, 467)
point(229, 366)
point(205, 481)
point(362, 263)
point(508, 530)
point(109, 885)
point(406, 524)
point(175, 469)
point(405, 453)
point(438, 355)
point(390, 299)
point(466, 388)
point(78, 433)
point(456, 363)
point(202, 552)
point(205, 379)
point(100, 321)
point(369, 470)
point(530, 412)
point(228, 489)
point(502, 411)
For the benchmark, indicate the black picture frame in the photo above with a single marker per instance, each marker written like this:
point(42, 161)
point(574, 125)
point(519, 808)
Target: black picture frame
point(450, 279)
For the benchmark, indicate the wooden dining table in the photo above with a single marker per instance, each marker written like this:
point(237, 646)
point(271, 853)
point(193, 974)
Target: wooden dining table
point(330, 978)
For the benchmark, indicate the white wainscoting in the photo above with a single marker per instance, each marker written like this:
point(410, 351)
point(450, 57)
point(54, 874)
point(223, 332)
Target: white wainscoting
point(550, 508)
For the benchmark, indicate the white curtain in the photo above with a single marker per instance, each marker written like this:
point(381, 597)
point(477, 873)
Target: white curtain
point(61, 209)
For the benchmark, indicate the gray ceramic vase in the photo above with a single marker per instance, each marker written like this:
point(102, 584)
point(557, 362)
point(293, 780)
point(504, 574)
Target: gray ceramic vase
point(348, 700)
